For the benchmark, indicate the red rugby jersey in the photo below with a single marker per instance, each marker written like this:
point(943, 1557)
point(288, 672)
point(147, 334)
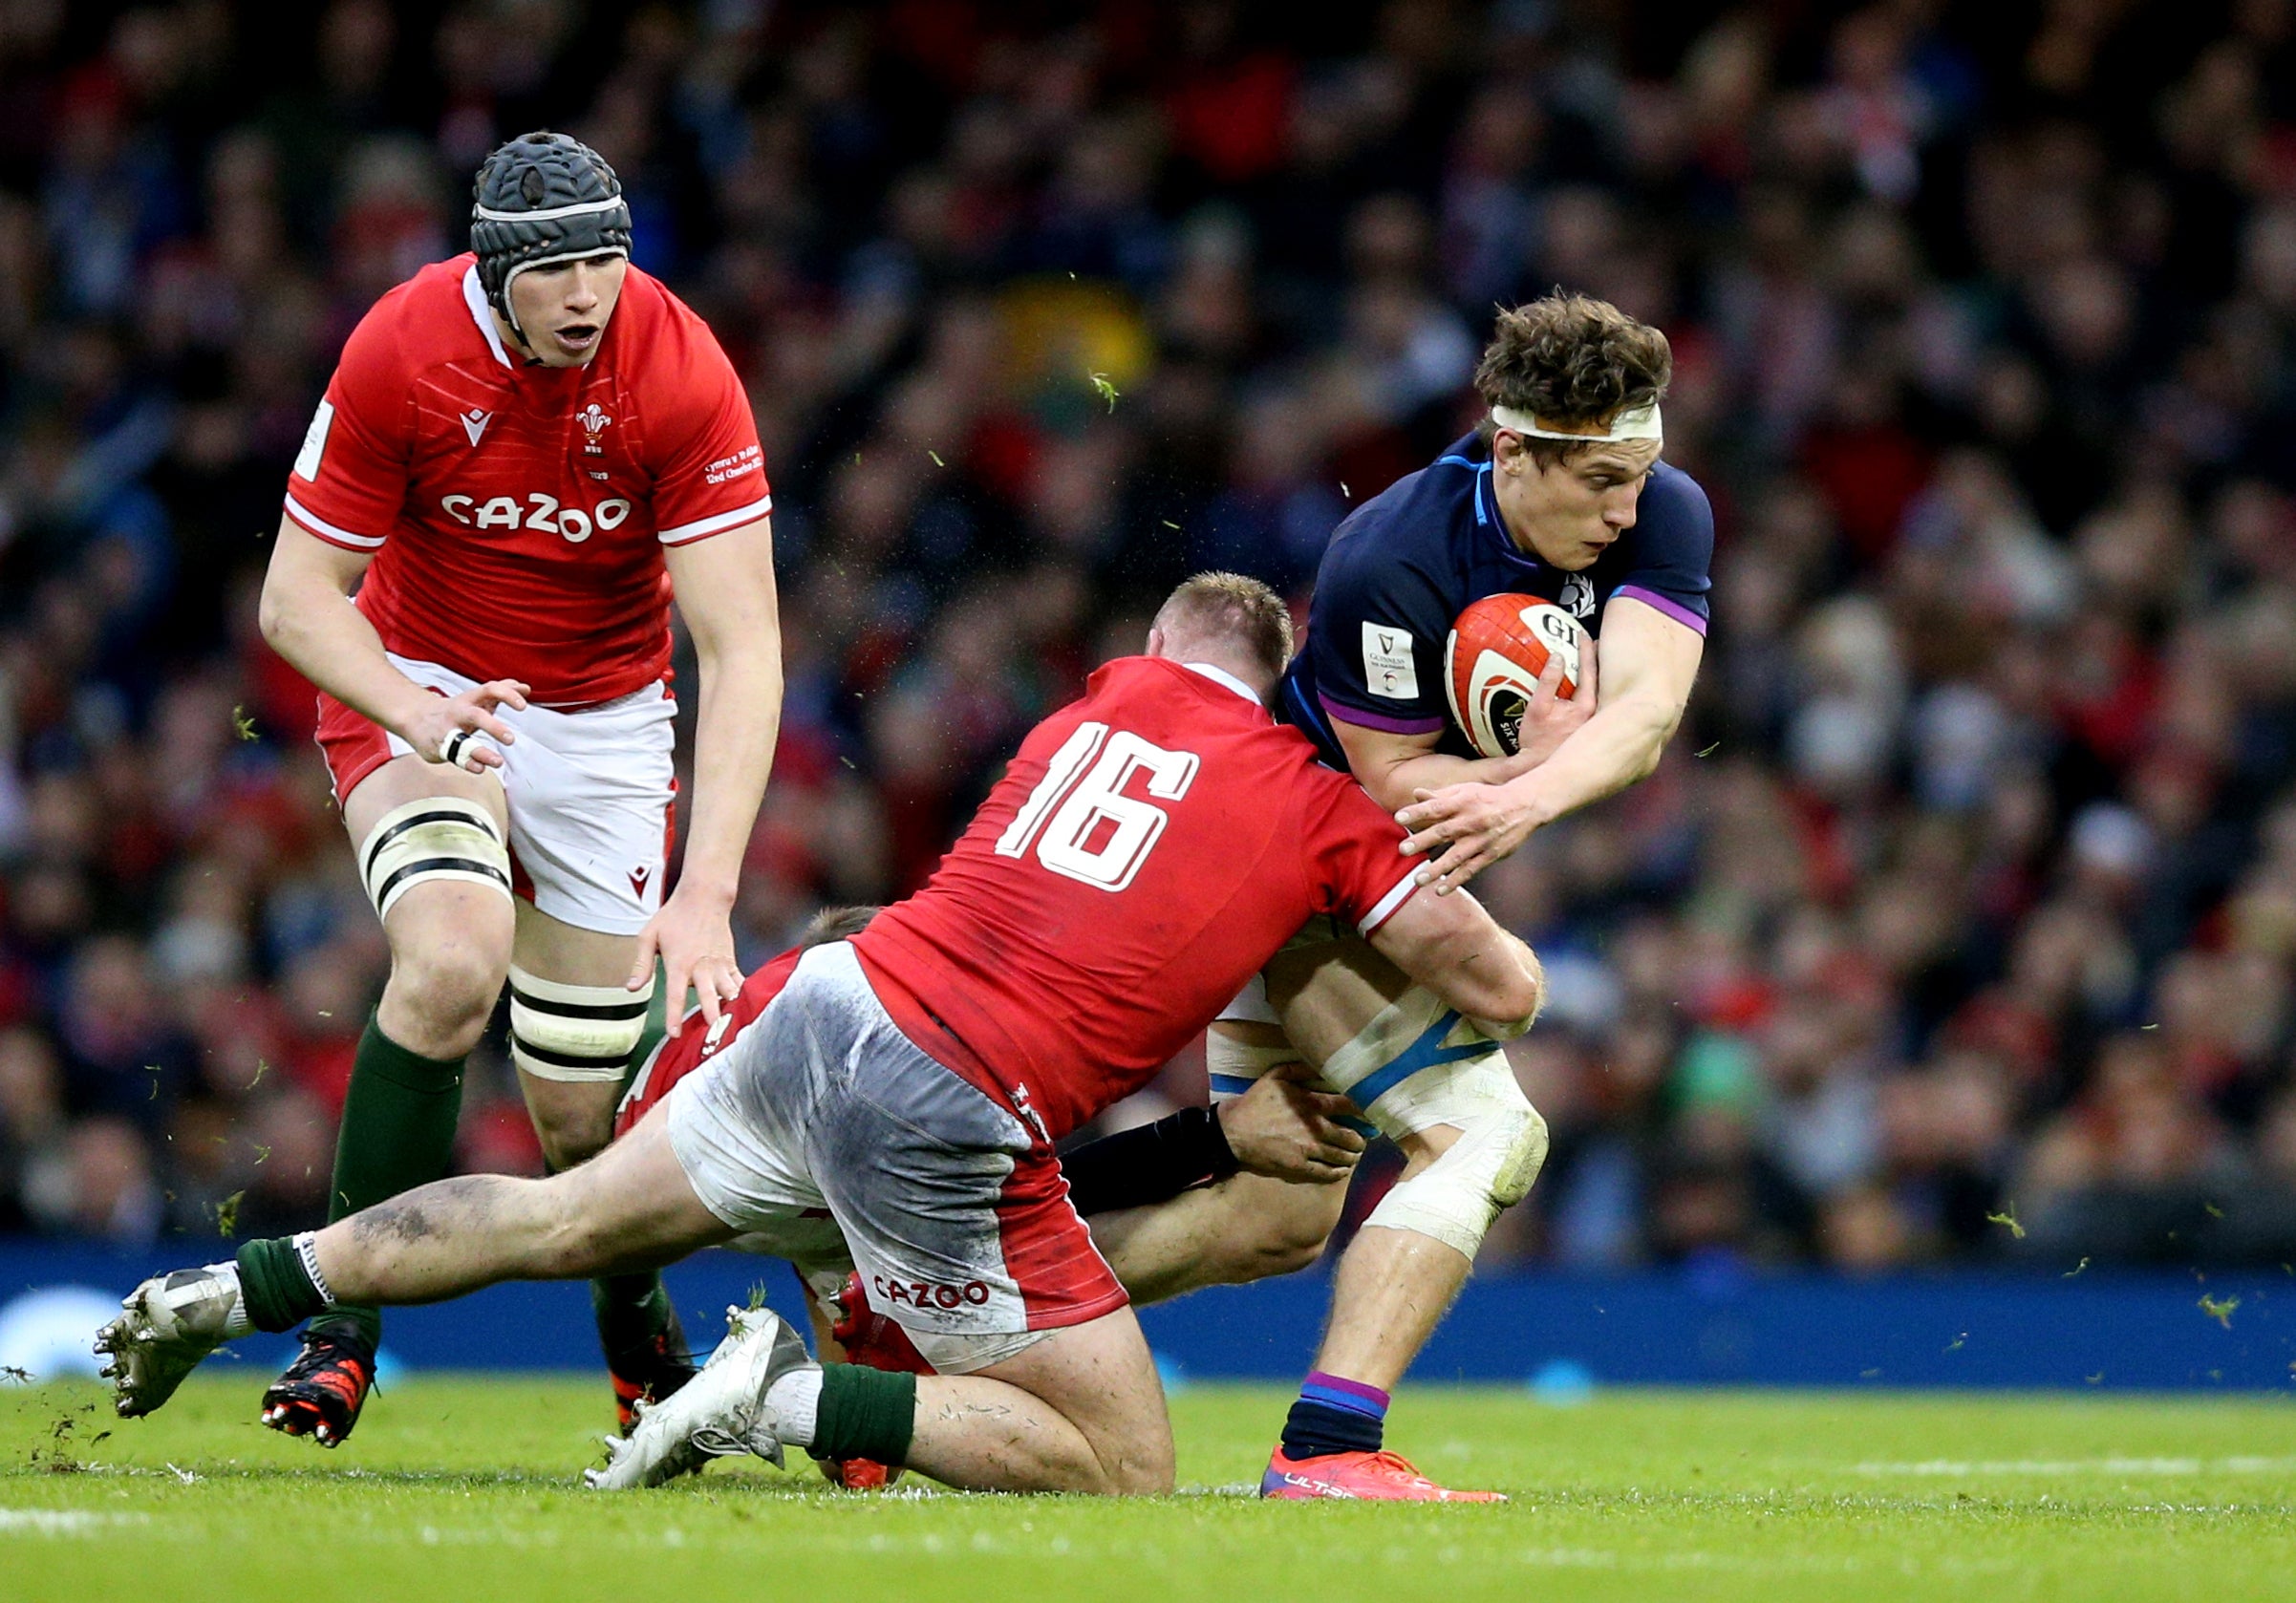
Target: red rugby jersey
point(1147, 852)
point(515, 512)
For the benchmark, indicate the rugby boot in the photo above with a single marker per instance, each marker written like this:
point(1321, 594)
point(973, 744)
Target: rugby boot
point(324, 1389)
point(649, 1371)
point(870, 1338)
point(1382, 1477)
point(721, 1411)
point(171, 1322)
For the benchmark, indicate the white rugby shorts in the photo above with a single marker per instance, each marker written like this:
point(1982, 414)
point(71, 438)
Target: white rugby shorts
point(590, 792)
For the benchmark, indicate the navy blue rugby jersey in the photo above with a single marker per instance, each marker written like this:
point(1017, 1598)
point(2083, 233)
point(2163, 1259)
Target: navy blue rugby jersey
point(1408, 562)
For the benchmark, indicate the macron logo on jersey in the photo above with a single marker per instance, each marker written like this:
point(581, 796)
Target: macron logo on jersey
point(1388, 666)
point(474, 424)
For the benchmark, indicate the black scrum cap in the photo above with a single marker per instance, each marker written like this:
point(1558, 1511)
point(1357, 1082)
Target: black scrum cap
point(542, 198)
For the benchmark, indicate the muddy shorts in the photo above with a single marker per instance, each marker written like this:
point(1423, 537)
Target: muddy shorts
point(956, 1211)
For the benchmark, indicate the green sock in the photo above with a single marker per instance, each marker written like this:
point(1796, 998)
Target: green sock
point(275, 1286)
point(397, 1133)
point(865, 1414)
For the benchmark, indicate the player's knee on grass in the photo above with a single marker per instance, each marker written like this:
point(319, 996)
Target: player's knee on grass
point(1118, 1407)
point(1142, 1470)
point(1097, 1378)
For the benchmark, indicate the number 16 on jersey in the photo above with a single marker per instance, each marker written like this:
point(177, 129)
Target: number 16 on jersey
point(1099, 836)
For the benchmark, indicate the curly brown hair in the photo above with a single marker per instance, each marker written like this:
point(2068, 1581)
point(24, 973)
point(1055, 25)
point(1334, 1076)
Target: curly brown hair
point(1571, 360)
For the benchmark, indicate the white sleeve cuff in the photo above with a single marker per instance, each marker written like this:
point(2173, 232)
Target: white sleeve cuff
point(723, 521)
point(326, 530)
point(1387, 904)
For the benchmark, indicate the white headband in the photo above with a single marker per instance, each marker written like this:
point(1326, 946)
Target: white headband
point(1641, 422)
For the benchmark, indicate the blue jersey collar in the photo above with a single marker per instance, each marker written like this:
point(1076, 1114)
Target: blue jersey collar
point(1484, 498)
point(1487, 516)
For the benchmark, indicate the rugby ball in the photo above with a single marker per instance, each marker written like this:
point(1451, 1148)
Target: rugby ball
point(1497, 649)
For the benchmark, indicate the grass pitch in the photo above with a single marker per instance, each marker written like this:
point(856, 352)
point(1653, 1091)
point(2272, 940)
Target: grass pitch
point(464, 1488)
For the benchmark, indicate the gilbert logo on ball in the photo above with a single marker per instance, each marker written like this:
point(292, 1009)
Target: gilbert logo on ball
point(1497, 649)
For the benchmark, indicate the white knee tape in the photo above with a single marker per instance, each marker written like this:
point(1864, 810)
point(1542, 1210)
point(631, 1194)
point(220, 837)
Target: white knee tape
point(574, 1032)
point(1232, 1065)
point(1413, 1050)
point(436, 838)
point(1501, 1147)
point(1392, 1033)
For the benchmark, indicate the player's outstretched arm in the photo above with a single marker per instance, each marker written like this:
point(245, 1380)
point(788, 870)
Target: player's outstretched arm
point(724, 588)
point(1452, 947)
point(1650, 663)
point(1281, 1128)
point(307, 617)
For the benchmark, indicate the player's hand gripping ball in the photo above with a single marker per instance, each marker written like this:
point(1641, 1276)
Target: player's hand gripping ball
point(1497, 649)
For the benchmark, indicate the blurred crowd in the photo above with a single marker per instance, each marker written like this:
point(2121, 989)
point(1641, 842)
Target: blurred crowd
point(1958, 921)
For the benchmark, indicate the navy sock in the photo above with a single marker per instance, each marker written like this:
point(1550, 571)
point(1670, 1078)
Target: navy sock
point(1335, 1415)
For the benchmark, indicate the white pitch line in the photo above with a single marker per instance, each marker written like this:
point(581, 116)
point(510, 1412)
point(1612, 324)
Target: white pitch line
point(1752, 1564)
point(1959, 1467)
point(62, 1521)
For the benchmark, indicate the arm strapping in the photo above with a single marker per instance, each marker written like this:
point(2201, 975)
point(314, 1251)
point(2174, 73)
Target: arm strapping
point(1148, 1162)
